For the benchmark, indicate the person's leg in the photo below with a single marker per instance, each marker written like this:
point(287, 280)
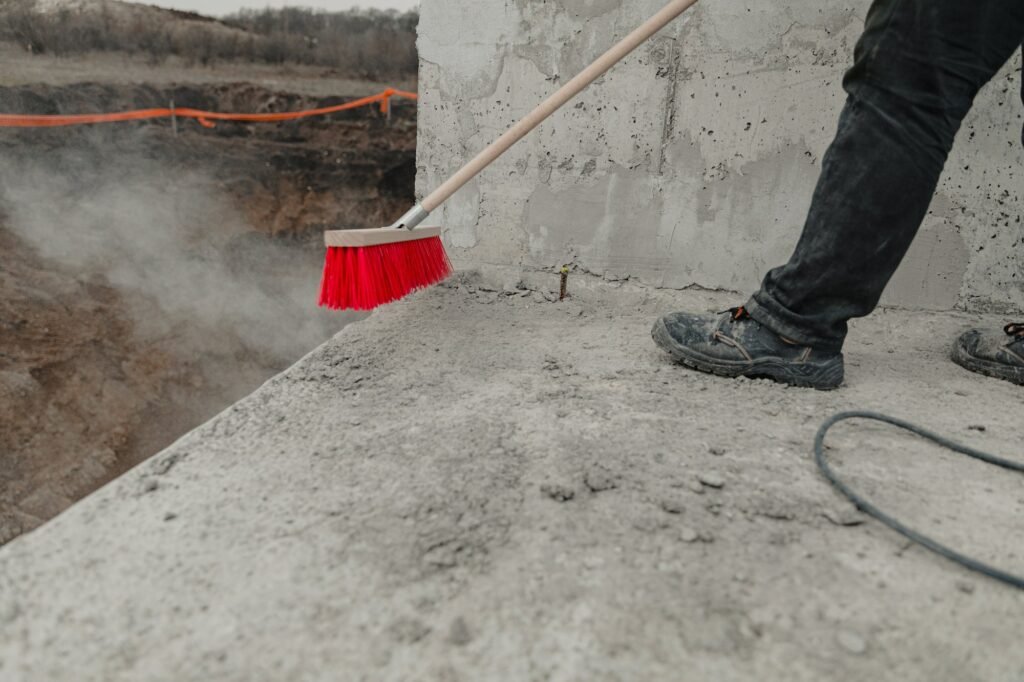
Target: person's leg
point(987, 351)
point(917, 69)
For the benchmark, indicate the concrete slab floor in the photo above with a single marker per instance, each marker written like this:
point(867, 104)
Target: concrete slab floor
point(477, 484)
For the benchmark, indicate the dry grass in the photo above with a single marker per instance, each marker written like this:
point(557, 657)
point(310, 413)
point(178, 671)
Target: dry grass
point(362, 44)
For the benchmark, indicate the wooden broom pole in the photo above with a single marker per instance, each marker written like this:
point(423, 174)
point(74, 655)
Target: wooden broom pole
point(556, 102)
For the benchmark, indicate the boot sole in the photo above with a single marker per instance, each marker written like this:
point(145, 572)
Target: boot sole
point(989, 368)
point(824, 376)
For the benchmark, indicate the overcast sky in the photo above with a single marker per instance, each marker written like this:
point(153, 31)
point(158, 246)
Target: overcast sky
point(222, 7)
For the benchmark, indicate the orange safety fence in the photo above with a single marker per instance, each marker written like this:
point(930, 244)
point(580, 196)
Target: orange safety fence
point(205, 118)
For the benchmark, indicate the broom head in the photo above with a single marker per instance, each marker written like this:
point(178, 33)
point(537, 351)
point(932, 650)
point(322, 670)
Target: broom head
point(368, 268)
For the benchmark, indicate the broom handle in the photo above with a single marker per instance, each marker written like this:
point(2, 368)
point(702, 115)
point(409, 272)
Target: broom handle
point(556, 102)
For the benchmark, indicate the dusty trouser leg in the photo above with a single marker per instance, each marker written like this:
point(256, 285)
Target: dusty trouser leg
point(917, 69)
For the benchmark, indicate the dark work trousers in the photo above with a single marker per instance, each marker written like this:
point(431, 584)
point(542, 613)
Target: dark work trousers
point(916, 71)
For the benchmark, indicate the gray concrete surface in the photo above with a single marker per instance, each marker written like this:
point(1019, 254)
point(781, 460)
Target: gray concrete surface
point(480, 484)
point(693, 162)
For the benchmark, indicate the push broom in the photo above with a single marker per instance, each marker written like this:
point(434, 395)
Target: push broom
point(368, 268)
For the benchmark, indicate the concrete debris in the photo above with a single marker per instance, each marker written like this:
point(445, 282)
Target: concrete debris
point(558, 492)
point(649, 523)
point(408, 630)
point(673, 504)
point(845, 515)
point(711, 479)
point(851, 641)
point(965, 586)
point(598, 479)
point(689, 535)
point(776, 510)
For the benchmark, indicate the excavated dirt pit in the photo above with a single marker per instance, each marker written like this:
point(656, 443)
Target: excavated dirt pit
point(148, 280)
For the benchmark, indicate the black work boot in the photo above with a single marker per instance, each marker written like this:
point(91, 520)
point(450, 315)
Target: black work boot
point(733, 344)
point(993, 354)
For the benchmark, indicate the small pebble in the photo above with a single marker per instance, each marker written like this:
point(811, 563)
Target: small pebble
point(696, 486)
point(965, 586)
point(851, 641)
point(777, 511)
point(748, 630)
point(689, 535)
point(844, 516)
point(558, 492)
point(672, 504)
point(599, 479)
point(650, 524)
point(170, 516)
point(716, 450)
point(408, 630)
point(711, 480)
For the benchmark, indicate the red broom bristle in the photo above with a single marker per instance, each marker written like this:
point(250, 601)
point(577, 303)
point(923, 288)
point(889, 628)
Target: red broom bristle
point(362, 278)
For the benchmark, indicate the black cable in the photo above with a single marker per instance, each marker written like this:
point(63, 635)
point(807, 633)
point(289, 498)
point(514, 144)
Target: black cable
point(865, 506)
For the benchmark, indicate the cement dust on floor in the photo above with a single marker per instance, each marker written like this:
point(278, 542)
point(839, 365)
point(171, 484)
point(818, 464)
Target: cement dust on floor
point(482, 483)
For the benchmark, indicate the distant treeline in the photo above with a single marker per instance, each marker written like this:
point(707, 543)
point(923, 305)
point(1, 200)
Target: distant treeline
point(363, 43)
point(364, 40)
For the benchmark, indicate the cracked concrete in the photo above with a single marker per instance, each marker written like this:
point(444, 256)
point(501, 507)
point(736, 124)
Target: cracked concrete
point(693, 161)
point(479, 483)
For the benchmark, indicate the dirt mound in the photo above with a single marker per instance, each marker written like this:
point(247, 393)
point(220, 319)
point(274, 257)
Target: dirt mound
point(148, 280)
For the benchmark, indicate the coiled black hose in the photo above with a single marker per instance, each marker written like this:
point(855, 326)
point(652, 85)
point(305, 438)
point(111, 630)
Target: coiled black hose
point(867, 507)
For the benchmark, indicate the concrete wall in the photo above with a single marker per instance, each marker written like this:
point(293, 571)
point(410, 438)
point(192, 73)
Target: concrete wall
point(693, 162)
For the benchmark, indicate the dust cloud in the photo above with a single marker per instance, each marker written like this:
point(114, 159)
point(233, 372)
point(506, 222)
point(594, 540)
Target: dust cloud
point(190, 269)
